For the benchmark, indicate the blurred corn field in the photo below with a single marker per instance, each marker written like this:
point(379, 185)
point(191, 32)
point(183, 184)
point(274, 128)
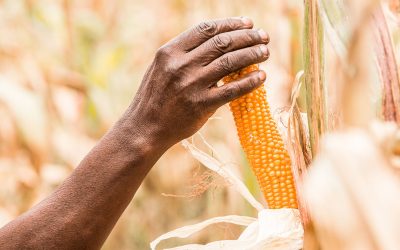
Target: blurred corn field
point(68, 69)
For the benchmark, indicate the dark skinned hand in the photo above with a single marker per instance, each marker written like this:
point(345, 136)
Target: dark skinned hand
point(179, 91)
point(178, 94)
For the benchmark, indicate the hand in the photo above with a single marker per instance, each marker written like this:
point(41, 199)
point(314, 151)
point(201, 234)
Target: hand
point(178, 94)
point(179, 91)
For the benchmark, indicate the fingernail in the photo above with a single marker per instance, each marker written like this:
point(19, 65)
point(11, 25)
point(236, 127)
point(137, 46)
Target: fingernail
point(264, 36)
point(264, 50)
point(246, 21)
point(262, 76)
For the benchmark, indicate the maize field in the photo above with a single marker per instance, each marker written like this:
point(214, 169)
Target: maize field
point(309, 160)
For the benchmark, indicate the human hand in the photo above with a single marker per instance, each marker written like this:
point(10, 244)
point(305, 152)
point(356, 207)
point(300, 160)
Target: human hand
point(179, 91)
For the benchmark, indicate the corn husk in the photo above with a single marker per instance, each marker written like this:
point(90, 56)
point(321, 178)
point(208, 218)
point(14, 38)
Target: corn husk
point(273, 229)
point(352, 191)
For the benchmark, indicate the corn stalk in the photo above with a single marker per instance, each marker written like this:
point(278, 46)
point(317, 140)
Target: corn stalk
point(336, 18)
point(313, 73)
point(313, 49)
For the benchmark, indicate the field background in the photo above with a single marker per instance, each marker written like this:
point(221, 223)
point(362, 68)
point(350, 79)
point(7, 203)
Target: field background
point(68, 69)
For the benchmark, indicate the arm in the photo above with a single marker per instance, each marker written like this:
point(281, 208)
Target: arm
point(177, 96)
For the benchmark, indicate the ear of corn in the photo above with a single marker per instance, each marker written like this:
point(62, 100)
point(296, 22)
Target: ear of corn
point(263, 145)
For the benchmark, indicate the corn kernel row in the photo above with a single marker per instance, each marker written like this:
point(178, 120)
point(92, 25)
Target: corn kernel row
point(263, 145)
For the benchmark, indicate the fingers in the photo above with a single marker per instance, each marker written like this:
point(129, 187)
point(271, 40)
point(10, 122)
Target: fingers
point(233, 61)
point(228, 92)
point(206, 30)
point(227, 42)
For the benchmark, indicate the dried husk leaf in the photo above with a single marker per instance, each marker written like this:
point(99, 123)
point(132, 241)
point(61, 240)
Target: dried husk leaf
point(388, 67)
point(350, 189)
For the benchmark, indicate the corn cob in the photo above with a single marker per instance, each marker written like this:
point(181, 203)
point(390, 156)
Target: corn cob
point(263, 145)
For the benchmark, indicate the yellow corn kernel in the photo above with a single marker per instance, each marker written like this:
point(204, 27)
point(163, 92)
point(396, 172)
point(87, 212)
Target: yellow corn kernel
point(263, 144)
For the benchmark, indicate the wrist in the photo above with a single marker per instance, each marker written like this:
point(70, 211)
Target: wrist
point(139, 140)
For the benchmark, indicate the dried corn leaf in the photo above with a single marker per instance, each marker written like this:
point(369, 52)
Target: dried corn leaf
point(214, 165)
point(335, 19)
point(350, 189)
point(388, 68)
point(30, 113)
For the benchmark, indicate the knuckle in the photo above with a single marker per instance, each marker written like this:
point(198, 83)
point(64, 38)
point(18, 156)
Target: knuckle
point(164, 52)
point(203, 105)
point(207, 28)
point(231, 24)
point(256, 53)
point(169, 62)
point(230, 92)
point(253, 82)
point(222, 42)
point(226, 63)
point(172, 67)
point(252, 35)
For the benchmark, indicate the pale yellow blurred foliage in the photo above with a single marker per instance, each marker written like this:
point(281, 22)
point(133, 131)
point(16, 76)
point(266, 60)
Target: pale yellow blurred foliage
point(68, 69)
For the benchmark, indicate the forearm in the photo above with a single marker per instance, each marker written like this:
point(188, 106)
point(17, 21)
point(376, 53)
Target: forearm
point(178, 94)
point(82, 211)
